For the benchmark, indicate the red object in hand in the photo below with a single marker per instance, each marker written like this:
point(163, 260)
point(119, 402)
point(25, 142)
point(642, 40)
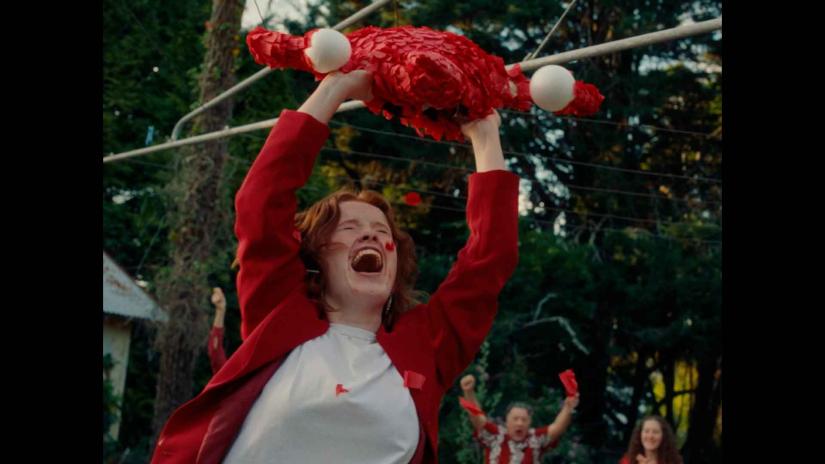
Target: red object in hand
point(586, 100)
point(412, 198)
point(470, 407)
point(568, 379)
point(430, 80)
point(278, 50)
point(340, 389)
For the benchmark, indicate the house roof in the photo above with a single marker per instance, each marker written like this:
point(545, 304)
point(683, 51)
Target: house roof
point(124, 297)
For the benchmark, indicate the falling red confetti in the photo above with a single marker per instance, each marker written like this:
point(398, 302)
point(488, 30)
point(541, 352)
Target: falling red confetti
point(390, 246)
point(340, 389)
point(412, 198)
point(414, 380)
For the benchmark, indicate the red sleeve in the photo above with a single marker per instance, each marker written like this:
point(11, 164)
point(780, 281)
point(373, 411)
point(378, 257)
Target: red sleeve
point(469, 406)
point(461, 311)
point(486, 436)
point(545, 440)
point(265, 214)
point(217, 357)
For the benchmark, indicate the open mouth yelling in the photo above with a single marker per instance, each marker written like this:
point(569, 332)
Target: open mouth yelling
point(518, 434)
point(367, 260)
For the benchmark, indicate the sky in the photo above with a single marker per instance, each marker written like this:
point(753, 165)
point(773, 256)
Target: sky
point(282, 9)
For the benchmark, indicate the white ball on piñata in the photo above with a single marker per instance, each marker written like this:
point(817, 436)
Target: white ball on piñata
point(328, 50)
point(551, 87)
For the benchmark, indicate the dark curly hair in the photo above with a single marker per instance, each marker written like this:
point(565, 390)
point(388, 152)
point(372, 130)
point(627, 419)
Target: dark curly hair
point(667, 452)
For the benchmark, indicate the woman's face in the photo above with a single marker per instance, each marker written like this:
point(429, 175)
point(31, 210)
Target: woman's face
point(651, 435)
point(360, 258)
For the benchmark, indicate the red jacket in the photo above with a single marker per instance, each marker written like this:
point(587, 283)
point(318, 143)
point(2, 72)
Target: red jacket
point(430, 345)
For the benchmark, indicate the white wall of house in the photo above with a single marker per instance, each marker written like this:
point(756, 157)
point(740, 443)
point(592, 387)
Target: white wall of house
point(123, 302)
point(117, 335)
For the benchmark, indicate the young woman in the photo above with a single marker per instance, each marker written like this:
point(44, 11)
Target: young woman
point(338, 362)
point(652, 442)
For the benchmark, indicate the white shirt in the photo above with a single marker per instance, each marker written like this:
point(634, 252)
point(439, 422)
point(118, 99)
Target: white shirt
point(303, 416)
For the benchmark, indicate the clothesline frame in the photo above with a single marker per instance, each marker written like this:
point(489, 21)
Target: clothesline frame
point(643, 40)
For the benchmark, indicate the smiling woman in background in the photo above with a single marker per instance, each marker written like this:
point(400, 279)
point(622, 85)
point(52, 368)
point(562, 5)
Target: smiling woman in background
point(652, 442)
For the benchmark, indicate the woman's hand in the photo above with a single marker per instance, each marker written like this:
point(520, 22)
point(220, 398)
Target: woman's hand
point(484, 135)
point(355, 85)
point(334, 90)
point(484, 127)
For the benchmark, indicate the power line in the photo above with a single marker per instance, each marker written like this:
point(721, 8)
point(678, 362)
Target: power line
point(124, 5)
point(147, 163)
point(644, 126)
point(526, 216)
point(443, 208)
point(616, 123)
point(527, 156)
point(551, 223)
point(607, 48)
point(397, 158)
point(609, 216)
point(547, 37)
point(639, 194)
point(631, 219)
point(355, 17)
point(554, 208)
point(161, 223)
point(570, 186)
point(461, 168)
point(675, 33)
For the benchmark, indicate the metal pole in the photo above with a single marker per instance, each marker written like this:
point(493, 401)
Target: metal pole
point(350, 105)
point(360, 14)
point(530, 56)
point(675, 33)
point(607, 48)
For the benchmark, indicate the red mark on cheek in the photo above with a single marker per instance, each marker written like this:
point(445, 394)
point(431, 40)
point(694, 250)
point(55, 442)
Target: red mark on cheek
point(390, 246)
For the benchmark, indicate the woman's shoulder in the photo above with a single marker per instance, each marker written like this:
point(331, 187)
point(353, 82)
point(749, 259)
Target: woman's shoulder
point(413, 315)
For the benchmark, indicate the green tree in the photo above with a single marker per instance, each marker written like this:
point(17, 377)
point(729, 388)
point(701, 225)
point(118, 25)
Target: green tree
point(615, 257)
point(196, 219)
